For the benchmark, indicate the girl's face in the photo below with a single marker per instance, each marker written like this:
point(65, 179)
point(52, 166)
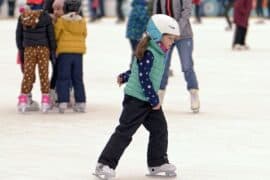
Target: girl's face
point(168, 40)
point(58, 12)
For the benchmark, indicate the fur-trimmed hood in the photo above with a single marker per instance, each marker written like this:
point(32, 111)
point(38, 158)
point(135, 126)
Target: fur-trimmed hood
point(31, 18)
point(72, 16)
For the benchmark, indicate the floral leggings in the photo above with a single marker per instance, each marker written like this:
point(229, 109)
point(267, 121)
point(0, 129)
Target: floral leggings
point(36, 55)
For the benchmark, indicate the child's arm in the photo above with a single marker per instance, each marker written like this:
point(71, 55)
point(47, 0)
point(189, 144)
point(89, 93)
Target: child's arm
point(19, 35)
point(145, 65)
point(51, 40)
point(123, 77)
point(19, 43)
point(51, 35)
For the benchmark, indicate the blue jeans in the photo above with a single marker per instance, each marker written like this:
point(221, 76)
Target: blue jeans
point(185, 49)
point(70, 69)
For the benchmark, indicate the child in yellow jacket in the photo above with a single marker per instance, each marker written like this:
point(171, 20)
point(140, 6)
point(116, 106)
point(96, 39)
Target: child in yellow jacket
point(70, 35)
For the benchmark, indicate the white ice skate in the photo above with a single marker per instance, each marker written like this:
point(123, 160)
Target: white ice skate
point(104, 172)
point(165, 170)
point(62, 107)
point(45, 103)
point(79, 107)
point(194, 100)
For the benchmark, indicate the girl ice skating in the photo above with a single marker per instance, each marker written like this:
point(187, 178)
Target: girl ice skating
point(141, 105)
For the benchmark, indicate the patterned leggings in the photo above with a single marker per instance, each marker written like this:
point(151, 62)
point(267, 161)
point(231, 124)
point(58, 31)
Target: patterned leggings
point(36, 55)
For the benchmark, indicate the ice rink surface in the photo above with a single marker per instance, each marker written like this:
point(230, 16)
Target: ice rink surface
point(227, 140)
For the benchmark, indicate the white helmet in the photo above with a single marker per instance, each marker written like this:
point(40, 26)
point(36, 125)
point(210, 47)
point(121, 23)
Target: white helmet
point(160, 24)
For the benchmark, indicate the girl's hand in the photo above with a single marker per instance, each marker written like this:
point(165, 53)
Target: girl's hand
point(119, 81)
point(157, 107)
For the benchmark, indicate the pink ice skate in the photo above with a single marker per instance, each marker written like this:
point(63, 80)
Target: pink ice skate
point(22, 104)
point(45, 103)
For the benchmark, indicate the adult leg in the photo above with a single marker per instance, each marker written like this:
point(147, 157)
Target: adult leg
point(260, 2)
point(185, 50)
point(11, 8)
point(165, 76)
point(237, 36)
point(243, 35)
point(119, 11)
point(101, 8)
point(92, 10)
point(227, 7)
point(133, 115)
point(259, 11)
point(197, 13)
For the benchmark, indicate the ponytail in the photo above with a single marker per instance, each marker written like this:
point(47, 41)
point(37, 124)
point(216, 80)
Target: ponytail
point(141, 47)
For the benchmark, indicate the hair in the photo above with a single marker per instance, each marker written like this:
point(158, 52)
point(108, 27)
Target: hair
point(58, 4)
point(141, 47)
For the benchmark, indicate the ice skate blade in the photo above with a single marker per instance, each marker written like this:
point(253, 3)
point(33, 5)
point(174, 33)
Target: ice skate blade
point(195, 111)
point(102, 177)
point(45, 108)
point(32, 108)
point(22, 109)
point(45, 111)
point(163, 175)
point(79, 110)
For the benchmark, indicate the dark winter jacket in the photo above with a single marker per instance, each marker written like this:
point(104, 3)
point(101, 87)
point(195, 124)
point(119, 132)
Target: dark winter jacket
point(242, 9)
point(137, 20)
point(35, 28)
point(48, 6)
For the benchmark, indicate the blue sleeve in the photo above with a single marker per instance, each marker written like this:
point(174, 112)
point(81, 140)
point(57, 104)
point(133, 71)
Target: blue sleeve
point(145, 65)
point(125, 76)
